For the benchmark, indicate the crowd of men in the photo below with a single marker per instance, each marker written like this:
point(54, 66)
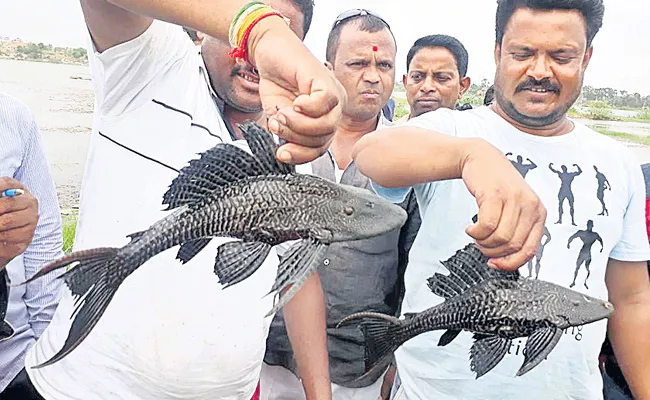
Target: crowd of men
point(165, 94)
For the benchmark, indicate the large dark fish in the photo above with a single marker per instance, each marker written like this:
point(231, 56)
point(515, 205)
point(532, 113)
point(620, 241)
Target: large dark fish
point(496, 306)
point(231, 193)
point(6, 331)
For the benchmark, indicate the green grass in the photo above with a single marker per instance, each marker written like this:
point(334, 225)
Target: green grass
point(644, 140)
point(69, 228)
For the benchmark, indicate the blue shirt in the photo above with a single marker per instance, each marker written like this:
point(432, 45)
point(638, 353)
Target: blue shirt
point(31, 306)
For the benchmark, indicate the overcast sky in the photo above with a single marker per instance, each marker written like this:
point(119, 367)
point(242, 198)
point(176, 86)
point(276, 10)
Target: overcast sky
point(621, 49)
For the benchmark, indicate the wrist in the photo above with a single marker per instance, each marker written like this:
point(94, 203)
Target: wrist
point(273, 26)
point(470, 150)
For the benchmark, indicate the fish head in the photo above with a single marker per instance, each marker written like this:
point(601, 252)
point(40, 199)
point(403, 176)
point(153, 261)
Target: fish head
point(360, 214)
point(579, 309)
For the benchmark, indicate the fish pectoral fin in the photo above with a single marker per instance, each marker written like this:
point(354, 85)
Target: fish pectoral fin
point(538, 346)
point(296, 266)
point(448, 336)
point(190, 249)
point(486, 352)
point(237, 260)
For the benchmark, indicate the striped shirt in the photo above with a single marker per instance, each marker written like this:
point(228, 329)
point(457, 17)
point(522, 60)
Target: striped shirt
point(31, 306)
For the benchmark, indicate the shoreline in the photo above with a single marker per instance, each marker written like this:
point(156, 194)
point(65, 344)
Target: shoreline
point(37, 60)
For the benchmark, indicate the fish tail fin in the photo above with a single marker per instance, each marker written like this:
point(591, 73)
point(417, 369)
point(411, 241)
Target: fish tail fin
point(381, 335)
point(87, 260)
point(93, 292)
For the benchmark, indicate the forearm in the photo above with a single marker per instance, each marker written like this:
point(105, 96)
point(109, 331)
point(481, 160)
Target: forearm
point(212, 17)
point(304, 317)
point(628, 332)
point(112, 22)
point(407, 156)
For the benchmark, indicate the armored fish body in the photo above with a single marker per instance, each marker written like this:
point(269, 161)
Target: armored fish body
point(496, 306)
point(229, 192)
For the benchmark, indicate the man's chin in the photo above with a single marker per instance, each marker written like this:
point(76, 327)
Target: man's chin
point(246, 104)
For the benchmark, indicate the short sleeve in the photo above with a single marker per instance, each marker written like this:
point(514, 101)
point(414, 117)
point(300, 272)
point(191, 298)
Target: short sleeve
point(440, 121)
point(122, 73)
point(633, 245)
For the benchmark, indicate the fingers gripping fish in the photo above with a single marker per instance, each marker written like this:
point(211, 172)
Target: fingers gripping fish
point(496, 306)
point(229, 192)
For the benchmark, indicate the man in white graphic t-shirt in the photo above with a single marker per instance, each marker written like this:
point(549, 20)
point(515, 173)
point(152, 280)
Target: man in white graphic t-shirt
point(171, 331)
point(457, 159)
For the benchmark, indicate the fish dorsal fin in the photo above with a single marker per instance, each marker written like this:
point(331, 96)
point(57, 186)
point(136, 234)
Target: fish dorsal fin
point(221, 165)
point(224, 164)
point(264, 148)
point(467, 268)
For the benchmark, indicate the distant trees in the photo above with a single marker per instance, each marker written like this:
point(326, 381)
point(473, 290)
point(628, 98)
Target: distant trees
point(599, 99)
point(615, 98)
point(41, 51)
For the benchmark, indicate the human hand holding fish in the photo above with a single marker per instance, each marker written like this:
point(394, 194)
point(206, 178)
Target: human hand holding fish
point(18, 219)
point(511, 216)
point(229, 192)
point(302, 98)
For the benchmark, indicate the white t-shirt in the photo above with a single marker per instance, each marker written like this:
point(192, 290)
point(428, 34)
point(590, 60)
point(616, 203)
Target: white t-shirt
point(170, 332)
point(428, 371)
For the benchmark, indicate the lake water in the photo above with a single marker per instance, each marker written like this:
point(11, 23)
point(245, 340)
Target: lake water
point(63, 108)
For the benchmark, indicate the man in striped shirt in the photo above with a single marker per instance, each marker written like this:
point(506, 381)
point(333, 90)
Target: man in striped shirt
point(30, 236)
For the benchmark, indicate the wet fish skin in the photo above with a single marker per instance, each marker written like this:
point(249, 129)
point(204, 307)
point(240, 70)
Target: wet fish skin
point(228, 192)
point(6, 330)
point(495, 306)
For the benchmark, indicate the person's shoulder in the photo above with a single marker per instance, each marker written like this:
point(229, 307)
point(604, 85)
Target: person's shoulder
point(445, 120)
point(11, 107)
point(597, 139)
point(613, 150)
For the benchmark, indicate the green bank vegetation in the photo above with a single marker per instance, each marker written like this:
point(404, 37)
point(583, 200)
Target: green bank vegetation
point(626, 137)
point(18, 50)
point(597, 104)
point(69, 229)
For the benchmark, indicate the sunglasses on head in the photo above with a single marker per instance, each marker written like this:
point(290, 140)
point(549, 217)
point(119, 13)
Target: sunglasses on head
point(358, 12)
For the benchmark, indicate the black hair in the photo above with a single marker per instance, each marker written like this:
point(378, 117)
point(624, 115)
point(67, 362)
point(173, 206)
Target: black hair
point(489, 96)
point(592, 10)
point(366, 23)
point(450, 43)
point(307, 9)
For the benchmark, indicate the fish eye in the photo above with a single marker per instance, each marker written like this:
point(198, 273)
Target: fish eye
point(348, 210)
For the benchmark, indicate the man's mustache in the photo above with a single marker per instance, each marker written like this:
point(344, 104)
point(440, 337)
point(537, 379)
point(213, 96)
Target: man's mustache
point(532, 83)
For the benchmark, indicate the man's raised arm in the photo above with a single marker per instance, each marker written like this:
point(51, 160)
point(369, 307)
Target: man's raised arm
point(511, 216)
point(301, 96)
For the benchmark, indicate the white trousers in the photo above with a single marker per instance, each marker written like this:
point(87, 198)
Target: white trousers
point(278, 383)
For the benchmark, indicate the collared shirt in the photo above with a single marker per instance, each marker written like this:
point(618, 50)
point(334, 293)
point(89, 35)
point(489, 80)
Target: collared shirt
point(31, 306)
point(361, 275)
